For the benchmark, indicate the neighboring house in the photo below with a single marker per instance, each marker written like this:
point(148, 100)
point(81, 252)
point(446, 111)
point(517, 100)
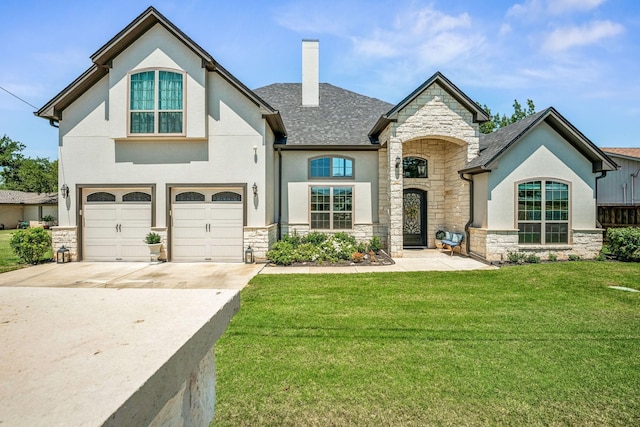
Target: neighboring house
point(619, 193)
point(18, 207)
point(156, 135)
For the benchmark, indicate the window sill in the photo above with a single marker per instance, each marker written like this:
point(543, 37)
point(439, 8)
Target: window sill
point(556, 247)
point(156, 138)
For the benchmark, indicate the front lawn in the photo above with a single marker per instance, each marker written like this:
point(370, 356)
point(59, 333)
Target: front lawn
point(530, 345)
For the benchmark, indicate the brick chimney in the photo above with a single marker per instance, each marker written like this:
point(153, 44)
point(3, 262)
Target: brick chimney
point(310, 73)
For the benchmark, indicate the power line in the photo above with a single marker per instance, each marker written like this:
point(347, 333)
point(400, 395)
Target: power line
point(16, 96)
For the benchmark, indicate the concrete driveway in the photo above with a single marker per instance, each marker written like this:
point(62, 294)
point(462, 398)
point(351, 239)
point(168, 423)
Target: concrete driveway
point(169, 275)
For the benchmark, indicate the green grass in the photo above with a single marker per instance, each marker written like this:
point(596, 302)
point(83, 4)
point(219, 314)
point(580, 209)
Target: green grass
point(8, 260)
point(531, 345)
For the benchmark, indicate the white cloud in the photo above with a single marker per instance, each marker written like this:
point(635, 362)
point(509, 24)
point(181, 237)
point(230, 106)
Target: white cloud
point(536, 9)
point(565, 6)
point(562, 39)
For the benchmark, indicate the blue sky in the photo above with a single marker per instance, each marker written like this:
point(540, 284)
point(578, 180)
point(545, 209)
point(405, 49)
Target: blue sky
point(580, 56)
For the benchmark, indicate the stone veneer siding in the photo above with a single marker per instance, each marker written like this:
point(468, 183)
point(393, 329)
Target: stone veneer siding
point(67, 237)
point(433, 117)
point(260, 239)
point(495, 245)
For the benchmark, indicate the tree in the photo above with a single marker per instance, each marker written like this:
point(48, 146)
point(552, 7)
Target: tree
point(39, 175)
point(497, 121)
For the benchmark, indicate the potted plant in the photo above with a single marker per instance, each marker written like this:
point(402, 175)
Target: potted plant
point(154, 241)
point(48, 221)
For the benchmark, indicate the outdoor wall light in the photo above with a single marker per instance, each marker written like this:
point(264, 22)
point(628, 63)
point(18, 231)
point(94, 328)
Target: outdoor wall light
point(255, 189)
point(64, 191)
point(398, 160)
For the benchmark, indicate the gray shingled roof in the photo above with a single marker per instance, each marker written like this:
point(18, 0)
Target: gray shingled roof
point(493, 145)
point(10, 197)
point(342, 118)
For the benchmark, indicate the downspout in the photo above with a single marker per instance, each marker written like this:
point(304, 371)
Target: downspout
point(279, 226)
point(54, 123)
point(633, 177)
point(468, 224)
point(604, 173)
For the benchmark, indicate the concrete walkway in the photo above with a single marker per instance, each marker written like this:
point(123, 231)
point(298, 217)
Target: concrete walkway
point(413, 260)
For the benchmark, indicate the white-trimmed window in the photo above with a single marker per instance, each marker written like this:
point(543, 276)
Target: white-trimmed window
point(331, 208)
point(331, 167)
point(156, 102)
point(543, 212)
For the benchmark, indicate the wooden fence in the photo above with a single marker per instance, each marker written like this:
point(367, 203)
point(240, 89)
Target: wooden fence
point(619, 216)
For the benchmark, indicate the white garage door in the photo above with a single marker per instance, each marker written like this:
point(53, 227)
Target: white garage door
point(207, 225)
point(115, 224)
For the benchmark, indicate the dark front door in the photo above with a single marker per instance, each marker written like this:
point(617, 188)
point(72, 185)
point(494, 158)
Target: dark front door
point(414, 217)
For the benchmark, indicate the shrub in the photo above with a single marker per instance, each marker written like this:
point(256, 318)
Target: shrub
point(375, 244)
point(516, 257)
point(600, 257)
point(553, 257)
point(532, 259)
point(343, 237)
point(294, 239)
point(574, 257)
point(31, 244)
point(315, 238)
point(624, 243)
point(281, 253)
point(362, 247)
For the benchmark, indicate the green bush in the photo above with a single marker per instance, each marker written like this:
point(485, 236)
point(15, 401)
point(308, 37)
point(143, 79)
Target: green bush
point(281, 253)
point(516, 257)
point(315, 238)
point(624, 243)
point(375, 244)
point(574, 257)
point(31, 244)
point(315, 247)
point(553, 257)
point(532, 259)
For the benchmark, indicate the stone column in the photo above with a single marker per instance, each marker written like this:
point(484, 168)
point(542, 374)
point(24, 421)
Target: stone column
point(395, 198)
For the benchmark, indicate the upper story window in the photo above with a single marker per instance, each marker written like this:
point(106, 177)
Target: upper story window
point(415, 167)
point(331, 167)
point(543, 212)
point(156, 100)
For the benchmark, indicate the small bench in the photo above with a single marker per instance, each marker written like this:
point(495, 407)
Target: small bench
point(452, 241)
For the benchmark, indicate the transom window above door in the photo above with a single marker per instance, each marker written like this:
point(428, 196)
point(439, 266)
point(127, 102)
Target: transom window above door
point(156, 100)
point(331, 167)
point(415, 167)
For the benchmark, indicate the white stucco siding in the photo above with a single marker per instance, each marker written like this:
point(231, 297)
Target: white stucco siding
point(542, 154)
point(90, 155)
point(157, 48)
point(295, 175)
point(480, 197)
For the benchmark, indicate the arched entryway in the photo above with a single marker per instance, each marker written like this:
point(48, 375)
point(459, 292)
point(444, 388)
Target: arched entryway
point(414, 218)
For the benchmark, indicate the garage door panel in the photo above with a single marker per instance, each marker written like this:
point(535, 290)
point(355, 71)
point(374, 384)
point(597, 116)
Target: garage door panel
point(207, 231)
point(115, 230)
